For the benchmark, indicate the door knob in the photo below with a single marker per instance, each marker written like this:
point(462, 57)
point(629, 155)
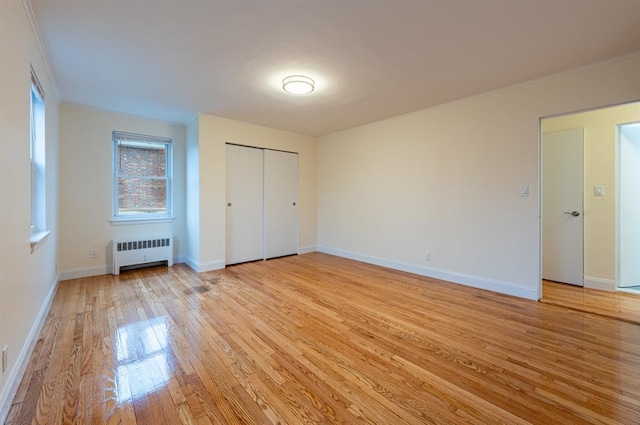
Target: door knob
point(294, 204)
point(229, 204)
point(573, 213)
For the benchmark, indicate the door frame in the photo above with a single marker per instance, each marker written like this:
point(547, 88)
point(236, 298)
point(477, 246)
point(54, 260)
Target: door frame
point(540, 239)
point(618, 201)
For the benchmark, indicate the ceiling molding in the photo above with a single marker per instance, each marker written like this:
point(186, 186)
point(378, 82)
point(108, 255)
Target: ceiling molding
point(531, 82)
point(192, 119)
point(574, 70)
point(28, 9)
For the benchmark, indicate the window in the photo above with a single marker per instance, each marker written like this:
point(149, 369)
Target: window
point(142, 177)
point(37, 160)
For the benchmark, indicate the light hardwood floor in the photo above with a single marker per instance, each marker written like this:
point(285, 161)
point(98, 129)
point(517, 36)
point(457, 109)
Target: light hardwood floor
point(616, 305)
point(320, 339)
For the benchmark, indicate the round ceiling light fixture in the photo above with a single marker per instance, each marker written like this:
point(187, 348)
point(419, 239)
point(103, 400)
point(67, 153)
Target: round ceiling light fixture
point(298, 84)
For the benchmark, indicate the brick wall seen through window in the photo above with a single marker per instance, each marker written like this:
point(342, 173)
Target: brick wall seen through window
point(137, 195)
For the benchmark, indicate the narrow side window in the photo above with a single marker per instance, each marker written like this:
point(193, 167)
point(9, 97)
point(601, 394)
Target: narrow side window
point(37, 158)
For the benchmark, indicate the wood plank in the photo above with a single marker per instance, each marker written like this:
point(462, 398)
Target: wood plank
point(321, 339)
point(616, 305)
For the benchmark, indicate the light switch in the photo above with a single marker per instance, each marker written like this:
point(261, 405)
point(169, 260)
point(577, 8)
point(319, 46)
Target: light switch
point(524, 191)
point(598, 190)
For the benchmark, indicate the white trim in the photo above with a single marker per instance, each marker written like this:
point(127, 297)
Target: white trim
point(191, 263)
point(90, 271)
point(28, 10)
point(205, 267)
point(80, 272)
point(307, 249)
point(37, 239)
point(122, 114)
point(599, 284)
point(502, 287)
point(539, 206)
point(139, 220)
point(516, 86)
point(193, 118)
point(17, 373)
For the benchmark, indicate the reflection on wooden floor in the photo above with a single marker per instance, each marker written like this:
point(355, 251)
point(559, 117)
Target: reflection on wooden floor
point(616, 305)
point(317, 339)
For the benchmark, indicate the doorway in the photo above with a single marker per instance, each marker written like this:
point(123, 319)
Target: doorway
point(628, 223)
point(601, 190)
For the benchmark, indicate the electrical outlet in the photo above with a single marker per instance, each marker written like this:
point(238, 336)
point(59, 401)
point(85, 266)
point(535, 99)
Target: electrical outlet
point(427, 256)
point(5, 360)
point(93, 253)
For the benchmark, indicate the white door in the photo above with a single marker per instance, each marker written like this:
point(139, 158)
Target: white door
point(244, 194)
point(280, 203)
point(562, 207)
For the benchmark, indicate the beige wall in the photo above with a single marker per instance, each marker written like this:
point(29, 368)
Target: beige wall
point(214, 132)
point(447, 180)
point(27, 279)
point(86, 181)
point(600, 141)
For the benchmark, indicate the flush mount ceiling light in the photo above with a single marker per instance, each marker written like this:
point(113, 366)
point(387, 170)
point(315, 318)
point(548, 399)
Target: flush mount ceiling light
point(298, 84)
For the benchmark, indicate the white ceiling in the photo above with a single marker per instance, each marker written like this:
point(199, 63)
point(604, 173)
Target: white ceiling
point(371, 59)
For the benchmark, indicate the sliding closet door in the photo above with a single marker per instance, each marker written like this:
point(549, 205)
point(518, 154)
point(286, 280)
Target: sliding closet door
point(280, 203)
point(244, 218)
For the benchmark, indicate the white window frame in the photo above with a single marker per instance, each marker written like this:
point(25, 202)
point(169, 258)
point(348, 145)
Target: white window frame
point(119, 138)
point(37, 164)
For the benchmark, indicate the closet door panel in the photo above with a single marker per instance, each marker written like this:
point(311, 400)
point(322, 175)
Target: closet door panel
point(244, 206)
point(280, 203)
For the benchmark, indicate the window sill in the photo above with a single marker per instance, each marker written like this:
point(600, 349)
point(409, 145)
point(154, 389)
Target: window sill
point(38, 239)
point(129, 221)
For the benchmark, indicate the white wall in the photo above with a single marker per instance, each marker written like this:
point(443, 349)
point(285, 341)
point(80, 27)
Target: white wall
point(27, 280)
point(447, 180)
point(214, 132)
point(600, 141)
point(86, 183)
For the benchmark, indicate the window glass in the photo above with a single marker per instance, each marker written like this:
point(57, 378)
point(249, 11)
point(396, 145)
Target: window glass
point(37, 160)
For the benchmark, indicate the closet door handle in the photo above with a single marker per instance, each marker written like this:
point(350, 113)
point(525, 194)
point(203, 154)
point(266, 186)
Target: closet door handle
point(228, 204)
point(294, 204)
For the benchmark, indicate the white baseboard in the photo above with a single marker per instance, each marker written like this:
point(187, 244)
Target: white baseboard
point(81, 272)
point(507, 288)
point(306, 249)
point(16, 374)
point(191, 263)
point(599, 284)
point(204, 267)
